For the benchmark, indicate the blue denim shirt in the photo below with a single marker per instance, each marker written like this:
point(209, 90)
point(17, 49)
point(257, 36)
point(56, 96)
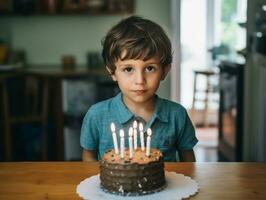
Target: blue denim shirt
point(172, 130)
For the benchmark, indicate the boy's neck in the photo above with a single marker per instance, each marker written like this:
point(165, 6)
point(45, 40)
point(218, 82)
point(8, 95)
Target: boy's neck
point(143, 109)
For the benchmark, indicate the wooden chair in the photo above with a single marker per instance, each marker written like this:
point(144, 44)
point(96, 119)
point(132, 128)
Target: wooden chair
point(29, 106)
point(209, 89)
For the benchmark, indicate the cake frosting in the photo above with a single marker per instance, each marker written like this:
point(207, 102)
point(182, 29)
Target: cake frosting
point(132, 176)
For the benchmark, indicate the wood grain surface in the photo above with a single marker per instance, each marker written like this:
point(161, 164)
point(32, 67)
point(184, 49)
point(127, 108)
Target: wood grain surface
point(58, 180)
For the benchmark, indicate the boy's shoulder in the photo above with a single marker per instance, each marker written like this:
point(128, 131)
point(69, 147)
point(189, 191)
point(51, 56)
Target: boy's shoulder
point(174, 111)
point(102, 106)
point(172, 105)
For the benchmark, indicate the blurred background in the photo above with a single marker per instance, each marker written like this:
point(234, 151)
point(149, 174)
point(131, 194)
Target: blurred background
point(51, 72)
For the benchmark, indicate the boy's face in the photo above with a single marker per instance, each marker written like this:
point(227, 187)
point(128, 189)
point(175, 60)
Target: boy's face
point(138, 79)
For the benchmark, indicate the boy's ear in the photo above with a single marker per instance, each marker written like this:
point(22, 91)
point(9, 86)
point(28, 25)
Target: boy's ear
point(111, 73)
point(166, 69)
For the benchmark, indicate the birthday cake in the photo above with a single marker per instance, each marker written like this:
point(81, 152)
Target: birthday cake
point(138, 175)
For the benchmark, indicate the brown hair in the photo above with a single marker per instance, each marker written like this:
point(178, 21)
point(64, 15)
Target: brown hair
point(139, 38)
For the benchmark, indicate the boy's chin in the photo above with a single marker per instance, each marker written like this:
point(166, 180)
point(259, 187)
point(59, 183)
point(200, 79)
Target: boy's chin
point(141, 98)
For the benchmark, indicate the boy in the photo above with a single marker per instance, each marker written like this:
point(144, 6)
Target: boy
point(137, 54)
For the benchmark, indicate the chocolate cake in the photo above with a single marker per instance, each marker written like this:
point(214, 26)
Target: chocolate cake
point(137, 176)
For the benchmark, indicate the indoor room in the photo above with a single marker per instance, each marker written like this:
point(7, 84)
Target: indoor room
point(52, 71)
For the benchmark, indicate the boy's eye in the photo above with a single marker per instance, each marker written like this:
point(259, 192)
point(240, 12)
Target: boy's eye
point(128, 69)
point(150, 68)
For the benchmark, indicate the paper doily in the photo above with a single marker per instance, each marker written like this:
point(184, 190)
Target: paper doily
point(178, 187)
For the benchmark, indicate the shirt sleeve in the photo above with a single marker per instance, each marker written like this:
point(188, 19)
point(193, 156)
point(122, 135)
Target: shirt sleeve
point(187, 138)
point(89, 137)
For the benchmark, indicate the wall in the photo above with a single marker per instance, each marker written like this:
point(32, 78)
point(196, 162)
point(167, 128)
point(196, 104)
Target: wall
point(46, 38)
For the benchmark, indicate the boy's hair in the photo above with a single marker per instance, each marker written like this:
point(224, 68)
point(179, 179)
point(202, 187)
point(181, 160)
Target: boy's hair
point(139, 38)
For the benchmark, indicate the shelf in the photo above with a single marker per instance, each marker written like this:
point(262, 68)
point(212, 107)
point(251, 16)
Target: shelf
point(66, 7)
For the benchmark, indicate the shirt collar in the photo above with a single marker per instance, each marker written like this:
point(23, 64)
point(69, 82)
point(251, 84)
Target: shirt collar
point(124, 115)
point(122, 112)
point(160, 112)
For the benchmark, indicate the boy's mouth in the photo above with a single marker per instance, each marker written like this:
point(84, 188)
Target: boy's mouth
point(139, 92)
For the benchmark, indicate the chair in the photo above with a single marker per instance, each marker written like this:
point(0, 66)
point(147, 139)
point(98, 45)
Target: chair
point(207, 91)
point(25, 101)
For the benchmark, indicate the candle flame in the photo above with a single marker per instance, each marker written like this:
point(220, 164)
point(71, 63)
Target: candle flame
point(112, 127)
point(149, 132)
point(130, 132)
point(140, 127)
point(122, 133)
point(135, 124)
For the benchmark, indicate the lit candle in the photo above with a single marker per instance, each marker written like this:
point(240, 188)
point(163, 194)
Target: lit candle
point(141, 137)
point(114, 138)
point(135, 125)
point(122, 144)
point(130, 142)
point(148, 145)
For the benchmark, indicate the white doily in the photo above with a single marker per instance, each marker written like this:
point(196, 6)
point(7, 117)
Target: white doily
point(178, 187)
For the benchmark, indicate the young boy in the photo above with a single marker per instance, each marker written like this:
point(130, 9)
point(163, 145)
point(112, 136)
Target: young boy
point(138, 56)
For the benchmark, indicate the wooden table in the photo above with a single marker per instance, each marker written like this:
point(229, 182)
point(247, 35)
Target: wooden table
point(58, 180)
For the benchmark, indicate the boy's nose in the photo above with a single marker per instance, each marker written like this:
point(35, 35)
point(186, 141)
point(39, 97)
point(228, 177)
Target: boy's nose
point(140, 78)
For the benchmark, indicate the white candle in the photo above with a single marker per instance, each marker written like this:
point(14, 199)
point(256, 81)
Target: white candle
point(148, 145)
point(114, 138)
point(122, 144)
point(130, 142)
point(141, 137)
point(135, 126)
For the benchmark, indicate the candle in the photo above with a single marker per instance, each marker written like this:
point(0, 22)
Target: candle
point(130, 142)
point(122, 144)
point(141, 137)
point(135, 125)
point(148, 145)
point(114, 138)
